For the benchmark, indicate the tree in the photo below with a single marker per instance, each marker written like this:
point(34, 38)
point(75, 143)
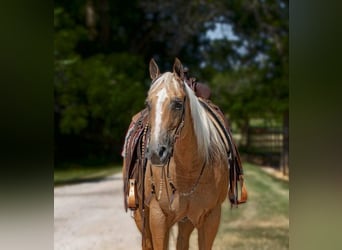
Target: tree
point(102, 49)
point(254, 61)
point(95, 96)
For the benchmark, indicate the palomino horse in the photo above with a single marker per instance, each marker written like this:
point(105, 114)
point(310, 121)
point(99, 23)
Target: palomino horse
point(187, 174)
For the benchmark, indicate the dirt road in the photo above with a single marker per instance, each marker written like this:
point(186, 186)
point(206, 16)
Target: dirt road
point(91, 216)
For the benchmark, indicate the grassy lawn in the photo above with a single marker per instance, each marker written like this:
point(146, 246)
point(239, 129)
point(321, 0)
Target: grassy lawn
point(77, 173)
point(262, 222)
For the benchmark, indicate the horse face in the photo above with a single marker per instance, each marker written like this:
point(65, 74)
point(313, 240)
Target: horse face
point(166, 108)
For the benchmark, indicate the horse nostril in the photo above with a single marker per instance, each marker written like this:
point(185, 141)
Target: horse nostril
point(162, 150)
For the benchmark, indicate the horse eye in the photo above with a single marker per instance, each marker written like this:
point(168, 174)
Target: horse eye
point(178, 105)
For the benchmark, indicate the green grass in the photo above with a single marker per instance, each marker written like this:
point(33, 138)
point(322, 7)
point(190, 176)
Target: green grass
point(77, 173)
point(261, 223)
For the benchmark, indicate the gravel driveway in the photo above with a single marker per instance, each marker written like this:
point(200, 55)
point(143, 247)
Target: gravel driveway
point(91, 216)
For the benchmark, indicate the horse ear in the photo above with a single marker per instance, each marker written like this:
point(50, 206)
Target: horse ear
point(154, 70)
point(178, 68)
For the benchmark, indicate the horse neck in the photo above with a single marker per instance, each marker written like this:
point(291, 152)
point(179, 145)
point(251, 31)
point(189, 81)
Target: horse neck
point(185, 150)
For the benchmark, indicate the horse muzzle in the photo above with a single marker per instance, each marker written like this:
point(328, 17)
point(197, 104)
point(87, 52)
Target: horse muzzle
point(159, 155)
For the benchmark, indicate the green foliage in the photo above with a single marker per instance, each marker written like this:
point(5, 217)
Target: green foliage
point(234, 92)
point(244, 95)
point(95, 97)
point(67, 35)
point(253, 67)
point(102, 49)
point(96, 89)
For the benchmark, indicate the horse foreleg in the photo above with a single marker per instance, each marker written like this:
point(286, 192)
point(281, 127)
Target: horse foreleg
point(207, 232)
point(158, 226)
point(144, 228)
point(185, 229)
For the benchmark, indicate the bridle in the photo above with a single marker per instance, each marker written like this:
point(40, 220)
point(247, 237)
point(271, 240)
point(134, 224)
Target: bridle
point(165, 173)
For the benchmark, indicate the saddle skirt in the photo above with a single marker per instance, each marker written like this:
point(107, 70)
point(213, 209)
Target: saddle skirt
point(134, 163)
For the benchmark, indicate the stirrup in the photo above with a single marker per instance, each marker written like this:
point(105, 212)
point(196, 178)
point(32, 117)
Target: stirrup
point(131, 199)
point(232, 192)
point(244, 195)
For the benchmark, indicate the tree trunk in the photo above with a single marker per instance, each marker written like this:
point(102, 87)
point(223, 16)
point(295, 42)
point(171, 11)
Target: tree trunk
point(104, 22)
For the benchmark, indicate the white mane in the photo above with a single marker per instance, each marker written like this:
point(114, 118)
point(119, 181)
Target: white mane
point(209, 141)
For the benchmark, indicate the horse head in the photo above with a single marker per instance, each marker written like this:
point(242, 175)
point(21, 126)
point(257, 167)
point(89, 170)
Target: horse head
point(166, 105)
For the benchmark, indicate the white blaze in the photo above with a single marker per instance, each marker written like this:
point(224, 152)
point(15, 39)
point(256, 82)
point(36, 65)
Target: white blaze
point(162, 96)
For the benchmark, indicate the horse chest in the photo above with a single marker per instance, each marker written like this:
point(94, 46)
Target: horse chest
point(194, 205)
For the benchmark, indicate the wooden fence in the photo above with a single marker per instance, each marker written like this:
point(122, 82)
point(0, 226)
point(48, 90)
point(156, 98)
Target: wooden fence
point(263, 145)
